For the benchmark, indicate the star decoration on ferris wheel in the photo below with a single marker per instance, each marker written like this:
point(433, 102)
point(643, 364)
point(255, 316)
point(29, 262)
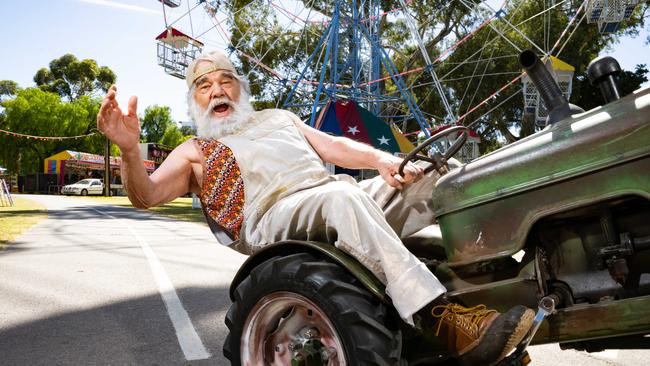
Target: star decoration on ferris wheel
point(353, 130)
point(383, 140)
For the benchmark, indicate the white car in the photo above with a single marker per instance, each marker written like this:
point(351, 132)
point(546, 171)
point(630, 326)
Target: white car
point(84, 187)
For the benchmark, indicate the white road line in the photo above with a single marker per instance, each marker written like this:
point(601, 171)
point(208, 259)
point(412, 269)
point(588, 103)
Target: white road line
point(188, 339)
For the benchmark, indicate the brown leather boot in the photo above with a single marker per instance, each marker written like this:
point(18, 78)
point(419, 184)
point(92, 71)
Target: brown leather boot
point(479, 336)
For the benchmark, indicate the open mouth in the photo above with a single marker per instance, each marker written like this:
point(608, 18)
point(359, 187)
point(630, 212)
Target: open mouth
point(221, 108)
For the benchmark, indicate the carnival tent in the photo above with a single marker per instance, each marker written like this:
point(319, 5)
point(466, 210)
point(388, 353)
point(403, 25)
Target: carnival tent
point(347, 118)
point(67, 159)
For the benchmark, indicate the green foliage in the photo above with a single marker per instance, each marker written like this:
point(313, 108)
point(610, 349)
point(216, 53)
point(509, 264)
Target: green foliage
point(188, 131)
point(441, 23)
point(39, 113)
point(587, 96)
point(172, 136)
point(71, 78)
point(154, 124)
point(8, 88)
point(158, 126)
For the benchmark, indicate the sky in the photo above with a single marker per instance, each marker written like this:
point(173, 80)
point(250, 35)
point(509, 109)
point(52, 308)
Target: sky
point(121, 34)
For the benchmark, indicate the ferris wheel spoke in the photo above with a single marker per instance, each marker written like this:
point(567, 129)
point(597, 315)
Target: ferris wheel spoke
point(472, 79)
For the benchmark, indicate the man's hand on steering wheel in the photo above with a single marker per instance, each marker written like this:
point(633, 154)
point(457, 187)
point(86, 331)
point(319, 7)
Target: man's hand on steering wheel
point(438, 160)
point(388, 167)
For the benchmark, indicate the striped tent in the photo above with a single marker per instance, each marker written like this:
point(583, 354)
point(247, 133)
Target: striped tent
point(347, 118)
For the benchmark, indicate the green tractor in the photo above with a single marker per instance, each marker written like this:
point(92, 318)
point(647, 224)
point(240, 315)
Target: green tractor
point(558, 221)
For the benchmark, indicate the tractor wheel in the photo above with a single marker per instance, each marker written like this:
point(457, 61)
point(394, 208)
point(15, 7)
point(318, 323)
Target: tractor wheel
point(302, 310)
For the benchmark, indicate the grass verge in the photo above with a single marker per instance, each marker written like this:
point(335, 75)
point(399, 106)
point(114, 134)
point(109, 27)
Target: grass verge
point(178, 209)
point(18, 218)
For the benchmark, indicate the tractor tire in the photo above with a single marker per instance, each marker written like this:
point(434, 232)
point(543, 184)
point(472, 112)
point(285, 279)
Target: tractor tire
point(308, 310)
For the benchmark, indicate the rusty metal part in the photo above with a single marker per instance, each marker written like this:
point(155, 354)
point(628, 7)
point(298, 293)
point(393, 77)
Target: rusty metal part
point(590, 321)
point(487, 207)
point(618, 269)
point(286, 328)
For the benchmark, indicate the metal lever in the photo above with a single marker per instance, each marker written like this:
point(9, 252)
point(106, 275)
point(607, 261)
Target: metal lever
point(546, 307)
point(520, 357)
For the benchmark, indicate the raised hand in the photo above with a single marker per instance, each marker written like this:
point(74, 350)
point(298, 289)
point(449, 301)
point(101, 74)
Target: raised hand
point(122, 129)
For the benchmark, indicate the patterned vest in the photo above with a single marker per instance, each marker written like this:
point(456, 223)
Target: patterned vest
point(222, 192)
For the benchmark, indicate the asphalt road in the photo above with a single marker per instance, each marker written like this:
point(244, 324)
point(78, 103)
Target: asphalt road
point(97, 284)
point(103, 285)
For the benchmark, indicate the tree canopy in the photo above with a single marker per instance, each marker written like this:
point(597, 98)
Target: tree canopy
point(64, 104)
point(72, 78)
point(39, 113)
point(470, 73)
point(8, 88)
point(158, 126)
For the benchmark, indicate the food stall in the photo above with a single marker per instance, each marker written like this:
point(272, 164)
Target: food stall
point(72, 166)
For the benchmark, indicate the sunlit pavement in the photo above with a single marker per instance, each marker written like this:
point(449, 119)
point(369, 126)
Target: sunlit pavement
point(551, 355)
point(97, 284)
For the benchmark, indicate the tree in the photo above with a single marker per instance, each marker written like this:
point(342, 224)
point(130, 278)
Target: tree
point(8, 88)
point(257, 31)
point(587, 96)
point(71, 78)
point(173, 136)
point(156, 121)
point(486, 55)
point(495, 60)
point(188, 131)
point(39, 113)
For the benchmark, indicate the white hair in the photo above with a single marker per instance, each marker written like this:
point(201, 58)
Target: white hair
point(211, 127)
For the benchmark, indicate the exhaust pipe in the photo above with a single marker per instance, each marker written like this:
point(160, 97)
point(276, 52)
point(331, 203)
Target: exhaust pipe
point(556, 104)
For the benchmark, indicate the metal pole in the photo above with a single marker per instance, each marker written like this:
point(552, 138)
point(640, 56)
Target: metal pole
point(107, 169)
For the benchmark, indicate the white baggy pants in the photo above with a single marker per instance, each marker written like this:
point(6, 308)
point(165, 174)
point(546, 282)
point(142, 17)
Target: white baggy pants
point(363, 219)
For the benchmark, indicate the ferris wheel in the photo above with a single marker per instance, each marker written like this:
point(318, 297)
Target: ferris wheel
point(303, 55)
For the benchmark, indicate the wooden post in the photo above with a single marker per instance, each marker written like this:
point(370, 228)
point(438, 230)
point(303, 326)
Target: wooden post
point(107, 169)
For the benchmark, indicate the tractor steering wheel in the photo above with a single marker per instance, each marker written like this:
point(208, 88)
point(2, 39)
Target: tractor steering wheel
point(438, 160)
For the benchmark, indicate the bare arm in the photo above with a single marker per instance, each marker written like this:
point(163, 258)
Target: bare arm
point(171, 180)
point(351, 154)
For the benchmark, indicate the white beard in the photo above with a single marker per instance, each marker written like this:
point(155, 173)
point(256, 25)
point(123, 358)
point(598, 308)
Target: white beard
point(210, 127)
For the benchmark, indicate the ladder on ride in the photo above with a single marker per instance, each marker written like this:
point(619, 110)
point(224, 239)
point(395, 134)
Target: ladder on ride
point(5, 195)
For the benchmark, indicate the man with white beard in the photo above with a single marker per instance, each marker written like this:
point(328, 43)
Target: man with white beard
point(260, 176)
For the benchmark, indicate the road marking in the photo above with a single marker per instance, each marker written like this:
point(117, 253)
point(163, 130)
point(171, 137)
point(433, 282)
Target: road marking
point(188, 339)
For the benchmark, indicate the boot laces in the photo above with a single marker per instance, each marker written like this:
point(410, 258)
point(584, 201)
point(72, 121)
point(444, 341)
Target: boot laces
point(466, 318)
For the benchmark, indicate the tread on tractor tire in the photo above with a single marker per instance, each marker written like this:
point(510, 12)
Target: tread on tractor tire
point(284, 296)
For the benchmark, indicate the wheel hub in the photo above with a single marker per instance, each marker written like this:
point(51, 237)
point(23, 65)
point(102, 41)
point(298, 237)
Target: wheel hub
point(308, 350)
point(287, 328)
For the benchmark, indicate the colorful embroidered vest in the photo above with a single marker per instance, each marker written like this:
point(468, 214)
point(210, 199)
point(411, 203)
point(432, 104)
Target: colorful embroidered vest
point(222, 192)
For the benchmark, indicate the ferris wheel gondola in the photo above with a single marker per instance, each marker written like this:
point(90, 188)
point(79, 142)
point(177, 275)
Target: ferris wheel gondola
point(608, 14)
point(176, 50)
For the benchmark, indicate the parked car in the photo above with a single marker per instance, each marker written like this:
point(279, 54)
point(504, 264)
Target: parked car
point(84, 187)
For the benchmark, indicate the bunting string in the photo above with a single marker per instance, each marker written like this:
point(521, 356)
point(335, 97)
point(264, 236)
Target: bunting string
point(43, 138)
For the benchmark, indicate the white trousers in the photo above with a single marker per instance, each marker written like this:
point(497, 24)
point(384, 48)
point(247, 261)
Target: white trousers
point(363, 220)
